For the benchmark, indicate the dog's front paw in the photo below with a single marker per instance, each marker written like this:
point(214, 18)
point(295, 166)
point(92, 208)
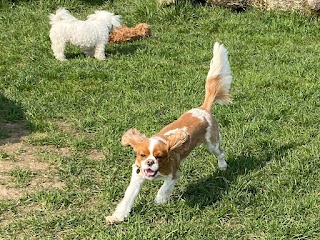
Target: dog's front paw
point(114, 219)
point(61, 59)
point(161, 199)
point(100, 57)
point(222, 165)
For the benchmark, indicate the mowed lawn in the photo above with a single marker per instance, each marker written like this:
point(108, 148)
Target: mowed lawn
point(63, 170)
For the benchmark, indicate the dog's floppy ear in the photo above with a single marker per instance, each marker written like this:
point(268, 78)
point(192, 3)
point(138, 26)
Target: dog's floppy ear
point(116, 21)
point(177, 138)
point(132, 137)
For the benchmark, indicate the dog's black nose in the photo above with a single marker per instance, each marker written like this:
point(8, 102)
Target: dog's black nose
point(150, 162)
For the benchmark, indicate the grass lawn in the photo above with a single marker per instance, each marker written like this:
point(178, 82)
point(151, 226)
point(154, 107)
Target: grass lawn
point(62, 169)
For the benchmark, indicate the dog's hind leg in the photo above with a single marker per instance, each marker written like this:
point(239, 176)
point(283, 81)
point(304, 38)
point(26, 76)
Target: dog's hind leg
point(58, 50)
point(214, 147)
point(99, 51)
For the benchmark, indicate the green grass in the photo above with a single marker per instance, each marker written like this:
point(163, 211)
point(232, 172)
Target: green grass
point(22, 177)
point(270, 132)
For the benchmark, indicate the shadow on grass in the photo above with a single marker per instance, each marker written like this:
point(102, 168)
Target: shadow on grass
point(124, 49)
point(96, 2)
point(91, 2)
point(209, 190)
point(13, 124)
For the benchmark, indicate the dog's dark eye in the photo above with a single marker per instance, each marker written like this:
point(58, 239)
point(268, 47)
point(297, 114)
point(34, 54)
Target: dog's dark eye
point(158, 157)
point(143, 155)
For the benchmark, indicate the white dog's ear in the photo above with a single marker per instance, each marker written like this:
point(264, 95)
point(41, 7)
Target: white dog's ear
point(178, 138)
point(132, 138)
point(116, 21)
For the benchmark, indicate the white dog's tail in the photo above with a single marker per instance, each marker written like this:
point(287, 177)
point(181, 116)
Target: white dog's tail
point(219, 78)
point(62, 14)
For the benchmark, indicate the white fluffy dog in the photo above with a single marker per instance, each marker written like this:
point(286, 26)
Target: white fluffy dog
point(91, 35)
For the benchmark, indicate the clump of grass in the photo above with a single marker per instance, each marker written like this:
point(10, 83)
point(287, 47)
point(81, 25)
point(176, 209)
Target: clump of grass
point(3, 155)
point(21, 176)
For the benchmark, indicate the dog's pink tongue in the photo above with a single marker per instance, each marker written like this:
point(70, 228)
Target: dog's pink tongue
point(150, 172)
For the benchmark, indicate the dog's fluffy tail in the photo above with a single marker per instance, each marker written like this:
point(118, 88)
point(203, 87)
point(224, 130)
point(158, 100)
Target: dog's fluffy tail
point(219, 78)
point(62, 14)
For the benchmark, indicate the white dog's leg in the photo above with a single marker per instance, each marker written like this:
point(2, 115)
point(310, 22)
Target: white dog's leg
point(99, 51)
point(124, 207)
point(58, 50)
point(216, 149)
point(165, 190)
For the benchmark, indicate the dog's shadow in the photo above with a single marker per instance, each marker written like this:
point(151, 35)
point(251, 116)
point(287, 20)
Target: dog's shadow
point(91, 2)
point(207, 191)
point(96, 2)
point(13, 122)
point(128, 48)
point(114, 49)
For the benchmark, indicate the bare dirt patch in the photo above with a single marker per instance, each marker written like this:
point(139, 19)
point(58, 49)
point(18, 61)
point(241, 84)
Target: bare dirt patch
point(16, 153)
point(22, 156)
point(96, 155)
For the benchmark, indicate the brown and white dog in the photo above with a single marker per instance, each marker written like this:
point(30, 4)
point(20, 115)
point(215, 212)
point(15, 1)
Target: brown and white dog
point(159, 156)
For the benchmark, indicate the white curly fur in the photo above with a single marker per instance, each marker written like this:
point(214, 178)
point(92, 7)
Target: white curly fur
point(90, 35)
